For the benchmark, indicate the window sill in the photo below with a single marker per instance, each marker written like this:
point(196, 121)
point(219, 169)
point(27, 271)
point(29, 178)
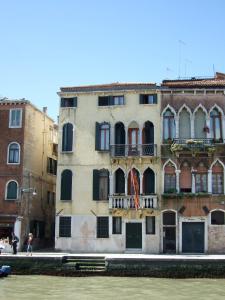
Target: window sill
point(8, 163)
point(103, 151)
point(11, 199)
point(111, 106)
point(66, 152)
point(15, 126)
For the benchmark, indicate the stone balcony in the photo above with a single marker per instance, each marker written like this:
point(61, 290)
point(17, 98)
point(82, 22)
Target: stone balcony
point(127, 202)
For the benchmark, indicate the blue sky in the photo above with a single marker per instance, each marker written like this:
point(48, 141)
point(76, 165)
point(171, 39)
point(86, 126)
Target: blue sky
point(47, 44)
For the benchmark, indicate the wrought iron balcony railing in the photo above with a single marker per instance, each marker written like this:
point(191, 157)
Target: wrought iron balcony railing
point(127, 202)
point(122, 150)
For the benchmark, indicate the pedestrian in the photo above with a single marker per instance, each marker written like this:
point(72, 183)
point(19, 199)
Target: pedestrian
point(15, 240)
point(29, 244)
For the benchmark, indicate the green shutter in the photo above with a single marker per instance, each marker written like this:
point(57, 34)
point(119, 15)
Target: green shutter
point(75, 102)
point(155, 99)
point(95, 185)
point(97, 136)
point(141, 99)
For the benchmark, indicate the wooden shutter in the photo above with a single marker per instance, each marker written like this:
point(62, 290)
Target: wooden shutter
point(97, 136)
point(155, 98)
point(75, 102)
point(141, 99)
point(95, 185)
point(66, 185)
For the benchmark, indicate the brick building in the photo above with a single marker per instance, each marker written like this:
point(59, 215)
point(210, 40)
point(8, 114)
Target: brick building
point(193, 162)
point(28, 161)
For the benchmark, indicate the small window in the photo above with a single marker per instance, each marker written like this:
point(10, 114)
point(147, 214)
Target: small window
point(15, 118)
point(117, 225)
point(102, 227)
point(110, 100)
point(217, 217)
point(64, 226)
point(148, 99)
point(12, 190)
point(13, 153)
point(51, 166)
point(69, 102)
point(150, 225)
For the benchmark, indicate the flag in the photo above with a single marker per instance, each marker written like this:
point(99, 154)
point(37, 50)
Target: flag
point(134, 181)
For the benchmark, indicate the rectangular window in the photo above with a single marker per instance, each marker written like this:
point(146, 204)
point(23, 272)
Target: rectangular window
point(110, 100)
point(169, 183)
point(201, 183)
point(150, 225)
point(51, 165)
point(148, 99)
point(104, 137)
point(15, 118)
point(69, 102)
point(102, 227)
point(64, 226)
point(117, 225)
point(217, 183)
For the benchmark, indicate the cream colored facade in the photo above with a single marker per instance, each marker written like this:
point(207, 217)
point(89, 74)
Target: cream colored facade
point(83, 159)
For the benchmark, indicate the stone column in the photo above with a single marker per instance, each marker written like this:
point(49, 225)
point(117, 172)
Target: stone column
point(125, 177)
point(192, 127)
point(111, 184)
point(141, 184)
point(176, 127)
point(193, 182)
point(207, 122)
point(178, 180)
point(112, 135)
point(210, 181)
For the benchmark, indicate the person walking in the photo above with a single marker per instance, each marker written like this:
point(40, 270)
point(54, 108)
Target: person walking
point(15, 240)
point(29, 244)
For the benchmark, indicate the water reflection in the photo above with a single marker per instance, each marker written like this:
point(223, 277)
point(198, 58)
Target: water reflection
point(116, 288)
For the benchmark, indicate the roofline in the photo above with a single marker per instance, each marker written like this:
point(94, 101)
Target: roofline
point(6, 101)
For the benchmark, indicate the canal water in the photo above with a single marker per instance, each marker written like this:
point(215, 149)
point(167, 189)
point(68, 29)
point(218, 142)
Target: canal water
point(116, 288)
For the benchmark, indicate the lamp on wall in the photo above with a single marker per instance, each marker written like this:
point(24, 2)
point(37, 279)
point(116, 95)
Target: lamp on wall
point(206, 210)
point(182, 209)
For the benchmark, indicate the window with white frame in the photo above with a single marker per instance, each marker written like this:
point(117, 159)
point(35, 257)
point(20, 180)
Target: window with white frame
point(102, 136)
point(13, 153)
point(15, 118)
point(217, 178)
point(12, 190)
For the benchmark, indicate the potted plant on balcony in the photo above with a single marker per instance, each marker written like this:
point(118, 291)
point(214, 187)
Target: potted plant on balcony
point(176, 147)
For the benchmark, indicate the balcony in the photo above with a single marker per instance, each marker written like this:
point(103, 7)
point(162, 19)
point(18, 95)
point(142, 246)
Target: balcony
point(193, 146)
point(127, 202)
point(138, 150)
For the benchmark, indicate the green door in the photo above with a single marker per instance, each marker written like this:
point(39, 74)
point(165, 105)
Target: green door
point(193, 237)
point(133, 235)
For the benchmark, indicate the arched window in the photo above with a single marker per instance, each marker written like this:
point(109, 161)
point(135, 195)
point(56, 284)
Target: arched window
point(217, 178)
point(201, 179)
point(169, 179)
point(184, 124)
point(66, 185)
point(14, 153)
point(67, 137)
point(148, 182)
point(217, 217)
point(148, 139)
point(215, 124)
point(119, 182)
point(185, 178)
point(12, 190)
point(168, 125)
point(200, 124)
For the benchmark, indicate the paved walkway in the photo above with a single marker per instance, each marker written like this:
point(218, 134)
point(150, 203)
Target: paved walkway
point(125, 256)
